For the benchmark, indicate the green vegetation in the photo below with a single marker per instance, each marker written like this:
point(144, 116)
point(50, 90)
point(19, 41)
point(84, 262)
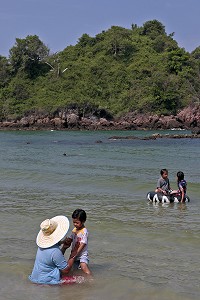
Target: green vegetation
point(119, 70)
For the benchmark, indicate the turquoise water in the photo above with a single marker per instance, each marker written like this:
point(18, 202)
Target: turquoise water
point(137, 250)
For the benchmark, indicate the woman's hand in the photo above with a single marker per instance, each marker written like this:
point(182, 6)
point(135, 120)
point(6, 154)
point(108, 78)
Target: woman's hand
point(67, 242)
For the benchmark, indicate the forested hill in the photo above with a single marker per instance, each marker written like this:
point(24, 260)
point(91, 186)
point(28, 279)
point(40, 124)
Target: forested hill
point(141, 69)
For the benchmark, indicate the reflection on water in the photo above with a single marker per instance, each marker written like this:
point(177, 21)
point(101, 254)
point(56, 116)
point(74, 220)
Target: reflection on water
point(180, 206)
point(138, 250)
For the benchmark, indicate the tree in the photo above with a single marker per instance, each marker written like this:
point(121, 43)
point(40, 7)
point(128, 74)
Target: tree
point(5, 73)
point(119, 41)
point(177, 60)
point(27, 56)
point(196, 53)
point(86, 40)
point(153, 29)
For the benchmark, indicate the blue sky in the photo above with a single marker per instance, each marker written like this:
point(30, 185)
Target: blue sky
point(60, 23)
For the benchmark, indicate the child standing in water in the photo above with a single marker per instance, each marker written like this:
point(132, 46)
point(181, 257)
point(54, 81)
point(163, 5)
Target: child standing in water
point(79, 241)
point(182, 186)
point(163, 185)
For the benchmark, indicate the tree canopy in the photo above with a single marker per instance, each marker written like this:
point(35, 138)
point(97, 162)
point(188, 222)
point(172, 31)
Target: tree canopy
point(119, 70)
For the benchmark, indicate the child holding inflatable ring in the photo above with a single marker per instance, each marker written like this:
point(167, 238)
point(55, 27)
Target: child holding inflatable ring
point(163, 185)
point(182, 186)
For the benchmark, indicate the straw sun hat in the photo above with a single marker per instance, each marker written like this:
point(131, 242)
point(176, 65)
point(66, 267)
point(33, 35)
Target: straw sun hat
point(52, 231)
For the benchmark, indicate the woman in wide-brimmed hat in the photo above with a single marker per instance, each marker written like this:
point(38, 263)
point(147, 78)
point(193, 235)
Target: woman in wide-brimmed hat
point(50, 263)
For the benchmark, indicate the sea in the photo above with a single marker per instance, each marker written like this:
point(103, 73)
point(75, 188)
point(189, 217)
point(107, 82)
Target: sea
point(138, 250)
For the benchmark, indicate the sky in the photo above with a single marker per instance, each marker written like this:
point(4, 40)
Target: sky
point(60, 23)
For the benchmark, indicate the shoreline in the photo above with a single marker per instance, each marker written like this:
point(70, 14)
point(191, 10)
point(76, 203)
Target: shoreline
point(154, 136)
point(157, 136)
point(186, 119)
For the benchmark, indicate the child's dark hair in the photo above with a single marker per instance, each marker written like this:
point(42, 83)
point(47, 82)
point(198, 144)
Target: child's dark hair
point(79, 214)
point(180, 175)
point(163, 171)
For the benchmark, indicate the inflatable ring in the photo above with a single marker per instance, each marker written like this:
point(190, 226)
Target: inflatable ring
point(159, 197)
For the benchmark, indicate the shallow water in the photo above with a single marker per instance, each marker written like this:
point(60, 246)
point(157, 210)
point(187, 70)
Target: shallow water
point(137, 250)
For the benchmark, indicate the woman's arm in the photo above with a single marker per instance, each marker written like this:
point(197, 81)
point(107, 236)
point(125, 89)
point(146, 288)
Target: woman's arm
point(70, 262)
point(68, 268)
point(66, 244)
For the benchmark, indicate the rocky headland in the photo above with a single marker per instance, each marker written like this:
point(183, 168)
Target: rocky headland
point(71, 119)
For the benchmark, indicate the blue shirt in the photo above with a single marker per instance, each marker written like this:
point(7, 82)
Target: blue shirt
point(48, 263)
point(182, 184)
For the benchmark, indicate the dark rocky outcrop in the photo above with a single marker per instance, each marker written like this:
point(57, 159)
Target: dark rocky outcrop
point(72, 119)
point(156, 136)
